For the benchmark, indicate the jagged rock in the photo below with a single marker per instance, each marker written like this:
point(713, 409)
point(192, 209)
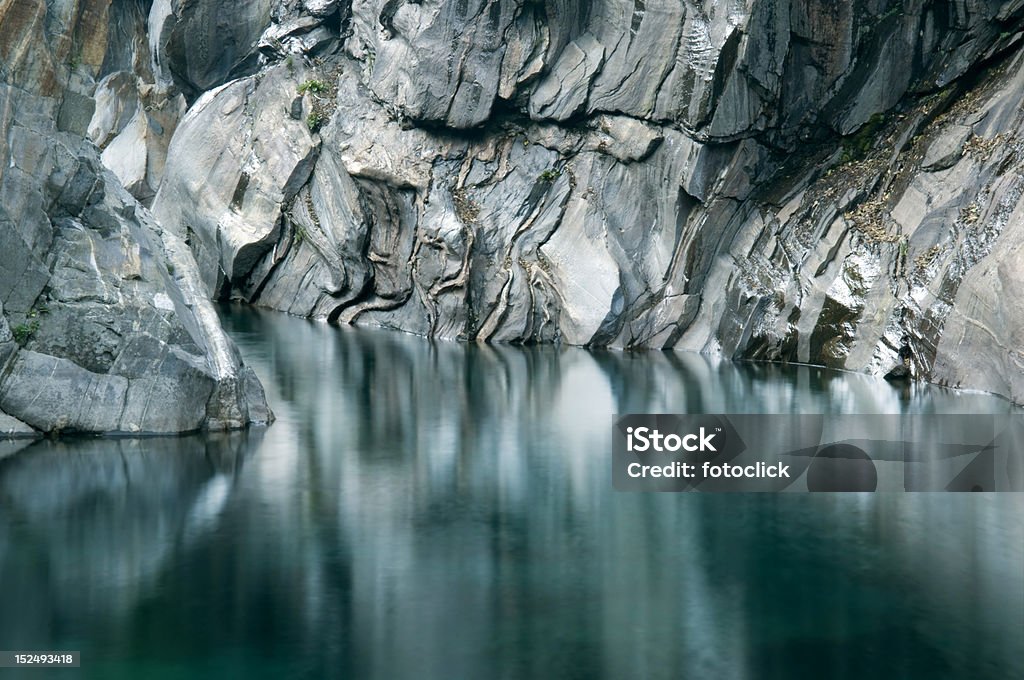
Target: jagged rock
point(108, 329)
point(445, 62)
point(803, 181)
point(133, 113)
point(134, 129)
point(321, 8)
point(670, 189)
point(201, 44)
point(299, 35)
point(563, 93)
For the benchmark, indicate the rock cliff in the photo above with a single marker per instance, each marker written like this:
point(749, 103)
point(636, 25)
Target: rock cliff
point(105, 326)
point(785, 180)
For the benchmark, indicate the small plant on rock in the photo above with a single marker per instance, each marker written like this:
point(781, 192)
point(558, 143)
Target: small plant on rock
point(314, 86)
point(549, 175)
point(857, 145)
point(23, 332)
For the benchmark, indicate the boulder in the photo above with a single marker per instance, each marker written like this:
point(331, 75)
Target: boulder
point(105, 325)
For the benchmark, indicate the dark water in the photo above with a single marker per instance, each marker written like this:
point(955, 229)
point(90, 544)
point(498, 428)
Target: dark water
point(431, 510)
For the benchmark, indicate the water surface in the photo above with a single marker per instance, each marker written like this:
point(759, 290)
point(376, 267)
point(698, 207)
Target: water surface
point(435, 510)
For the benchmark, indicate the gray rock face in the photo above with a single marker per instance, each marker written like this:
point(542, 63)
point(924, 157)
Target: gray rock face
point(447, 62)
point(201, 44)
point(12, 428)
point(225, 192)
point(772, 180)
point(321, 8)
point(106, 326)
point(134, 112)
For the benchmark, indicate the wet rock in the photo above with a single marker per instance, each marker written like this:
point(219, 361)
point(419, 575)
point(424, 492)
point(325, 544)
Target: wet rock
point(12, 428)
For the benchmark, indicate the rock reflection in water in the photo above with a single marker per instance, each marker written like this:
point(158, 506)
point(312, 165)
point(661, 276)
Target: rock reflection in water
point(87, 526)
point(433, 510)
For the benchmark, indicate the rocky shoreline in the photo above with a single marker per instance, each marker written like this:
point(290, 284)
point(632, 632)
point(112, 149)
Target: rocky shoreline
point(771, 180)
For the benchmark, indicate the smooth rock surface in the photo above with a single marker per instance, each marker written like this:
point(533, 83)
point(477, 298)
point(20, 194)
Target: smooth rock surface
point(224, 191)
point(12, 428)
point(788, 181)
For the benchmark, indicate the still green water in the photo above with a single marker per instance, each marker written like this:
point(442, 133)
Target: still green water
point(434, 510)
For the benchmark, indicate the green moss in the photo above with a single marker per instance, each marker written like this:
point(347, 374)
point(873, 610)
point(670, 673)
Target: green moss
point(549, 175)
point(314, 121)
point(23, 332)
point(314, 86)
point(857, 145)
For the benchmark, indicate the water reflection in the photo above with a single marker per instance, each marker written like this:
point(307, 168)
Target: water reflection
point(433, 510)
point(88, 526)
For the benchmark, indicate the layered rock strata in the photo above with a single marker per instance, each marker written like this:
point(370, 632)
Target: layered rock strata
point(792, 181)
point(786, 180)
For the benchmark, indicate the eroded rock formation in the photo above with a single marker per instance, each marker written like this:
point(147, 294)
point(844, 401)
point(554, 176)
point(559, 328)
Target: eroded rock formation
point(788, 180)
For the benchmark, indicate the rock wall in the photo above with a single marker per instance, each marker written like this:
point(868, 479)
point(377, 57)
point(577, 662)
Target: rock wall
point(785, 180)
point(782, 180)
point(104, 323)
